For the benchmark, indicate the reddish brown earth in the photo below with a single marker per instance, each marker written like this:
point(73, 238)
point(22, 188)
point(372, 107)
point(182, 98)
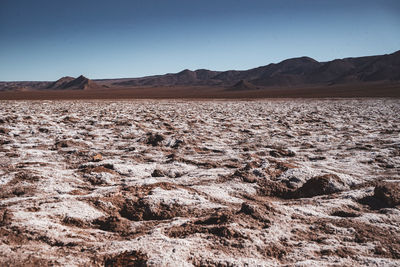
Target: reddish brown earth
point(177, 92)
point(299, 182)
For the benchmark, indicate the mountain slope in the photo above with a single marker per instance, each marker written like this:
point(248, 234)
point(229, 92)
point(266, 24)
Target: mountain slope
point(294, 72)
point(65, 83)
point(243, 85)
point(69, 83)
point(185, 77)
point(61, 83)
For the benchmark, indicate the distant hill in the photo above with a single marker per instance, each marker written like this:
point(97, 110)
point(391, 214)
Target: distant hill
point(70, 83)
point(22, 86)
point(65, 83)
point(185, 77)
point(294, 72)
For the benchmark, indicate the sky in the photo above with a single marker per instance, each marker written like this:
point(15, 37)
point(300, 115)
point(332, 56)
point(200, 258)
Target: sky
point(43, 40)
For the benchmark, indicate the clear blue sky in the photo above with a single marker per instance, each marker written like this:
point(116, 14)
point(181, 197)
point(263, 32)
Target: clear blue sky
point(48, 39)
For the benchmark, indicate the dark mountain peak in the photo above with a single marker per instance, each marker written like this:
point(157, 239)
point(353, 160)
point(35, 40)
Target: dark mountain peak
point(204, 71)
point(82, 78)
point(290, 72)
point(60, 82)
point(338, 65)
point(299, 65)
point(185, 71)
point(204, 74)
point(70, 83)
point(308, 59)
point(185, 76)
point(66, 78)
point(199, 73)
point(330, 71)
point(299, 60)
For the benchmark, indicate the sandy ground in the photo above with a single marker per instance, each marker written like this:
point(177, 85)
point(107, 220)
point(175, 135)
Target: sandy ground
point(200, 183)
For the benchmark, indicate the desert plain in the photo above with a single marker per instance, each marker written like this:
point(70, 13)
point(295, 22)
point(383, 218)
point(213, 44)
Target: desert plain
point(262, 182)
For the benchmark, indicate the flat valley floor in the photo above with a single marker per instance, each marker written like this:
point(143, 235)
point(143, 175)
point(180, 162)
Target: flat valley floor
point(300, 182)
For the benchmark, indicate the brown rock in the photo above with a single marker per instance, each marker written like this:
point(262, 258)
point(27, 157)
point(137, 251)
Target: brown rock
point(282, 153)
point(388, 193)
point(70, 119)
point(113, 224)
point(157, 173)
point(132, 258)
point(43, 130)
point(98, 157)
point(154, 139)
point(275, 189)
point(5, 217)
point(345, 213)
point(319, 185)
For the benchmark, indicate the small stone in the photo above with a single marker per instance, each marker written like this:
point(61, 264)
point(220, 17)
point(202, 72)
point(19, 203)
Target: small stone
point(282, 153)
point(248, 209)
point(154, 139)
point(97, 158)
point(43, 130)
point(157, 173)
point(70, 119)
point(388, 193)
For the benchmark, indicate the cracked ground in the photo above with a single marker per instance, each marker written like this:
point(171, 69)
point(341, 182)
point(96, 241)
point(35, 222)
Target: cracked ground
point(200, 183)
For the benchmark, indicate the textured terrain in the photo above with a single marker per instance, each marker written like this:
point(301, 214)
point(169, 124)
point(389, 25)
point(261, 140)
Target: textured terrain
point(200, 183)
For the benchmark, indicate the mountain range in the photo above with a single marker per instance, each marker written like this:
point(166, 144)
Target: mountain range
point(64, 83)
point(290, 73)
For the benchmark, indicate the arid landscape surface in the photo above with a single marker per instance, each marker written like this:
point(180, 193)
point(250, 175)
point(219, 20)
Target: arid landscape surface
point(369, 76)
point(300, 182)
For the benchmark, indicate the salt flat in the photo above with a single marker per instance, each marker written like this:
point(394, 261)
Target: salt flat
point(200, 183)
